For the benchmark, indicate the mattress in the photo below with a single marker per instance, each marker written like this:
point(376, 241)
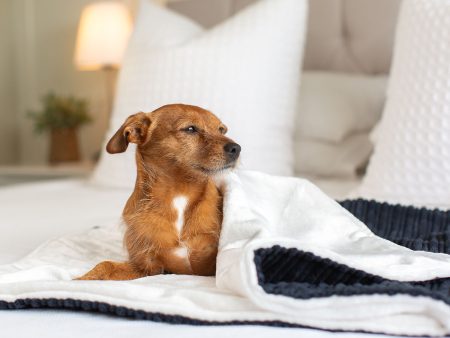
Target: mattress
point(31, 214)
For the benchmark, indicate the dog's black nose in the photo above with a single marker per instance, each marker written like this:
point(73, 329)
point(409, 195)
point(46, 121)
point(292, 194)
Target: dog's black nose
point(232, 150)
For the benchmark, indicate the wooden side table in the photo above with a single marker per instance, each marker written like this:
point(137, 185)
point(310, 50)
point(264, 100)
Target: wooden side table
point(14, 174)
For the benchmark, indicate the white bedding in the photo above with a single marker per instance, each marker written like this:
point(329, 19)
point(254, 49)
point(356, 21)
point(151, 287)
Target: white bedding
point(33, 213)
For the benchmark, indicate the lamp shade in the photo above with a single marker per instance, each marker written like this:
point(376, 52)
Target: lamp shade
point(103, 34)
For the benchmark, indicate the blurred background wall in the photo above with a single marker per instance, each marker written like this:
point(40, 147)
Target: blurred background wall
point(37, 39)
point(37, 42)
point(8, 121)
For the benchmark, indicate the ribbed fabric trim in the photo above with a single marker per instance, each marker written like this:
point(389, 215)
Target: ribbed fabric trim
point(415, 228)
point(120, 311)
point(302, 275)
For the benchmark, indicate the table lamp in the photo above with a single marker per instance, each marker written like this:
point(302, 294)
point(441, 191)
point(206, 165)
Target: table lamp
point(102, 37)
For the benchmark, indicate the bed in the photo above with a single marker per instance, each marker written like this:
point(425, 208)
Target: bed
point(84, 206)
point(34, 213)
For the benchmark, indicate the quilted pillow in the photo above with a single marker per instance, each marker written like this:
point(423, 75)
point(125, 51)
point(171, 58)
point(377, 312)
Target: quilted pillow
point(346, 159)
point(335, 115)
point(245, 70)
point(411, 162)
point(334, 106)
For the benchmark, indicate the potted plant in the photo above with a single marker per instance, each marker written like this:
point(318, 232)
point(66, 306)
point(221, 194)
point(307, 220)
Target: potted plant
point(62, 116)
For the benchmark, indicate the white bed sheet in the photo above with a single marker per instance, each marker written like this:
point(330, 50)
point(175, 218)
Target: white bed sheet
point(33, 213)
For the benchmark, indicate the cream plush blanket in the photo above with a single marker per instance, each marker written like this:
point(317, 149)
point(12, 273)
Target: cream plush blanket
point(289, 256)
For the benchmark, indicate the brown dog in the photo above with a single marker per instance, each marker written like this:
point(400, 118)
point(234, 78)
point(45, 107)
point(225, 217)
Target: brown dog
point(174, 214)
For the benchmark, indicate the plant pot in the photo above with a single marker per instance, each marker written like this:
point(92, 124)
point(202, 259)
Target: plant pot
point(64, 145)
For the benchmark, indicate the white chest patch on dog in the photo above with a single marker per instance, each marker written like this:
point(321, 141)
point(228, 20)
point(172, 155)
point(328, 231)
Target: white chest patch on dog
point(181, 252)
point(179, 203)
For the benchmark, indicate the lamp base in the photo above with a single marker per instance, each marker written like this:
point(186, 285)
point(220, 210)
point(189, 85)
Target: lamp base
point(110, 73)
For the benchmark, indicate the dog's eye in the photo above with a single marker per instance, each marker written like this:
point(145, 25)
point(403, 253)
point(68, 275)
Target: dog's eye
point(222, 130)
point(190, 129)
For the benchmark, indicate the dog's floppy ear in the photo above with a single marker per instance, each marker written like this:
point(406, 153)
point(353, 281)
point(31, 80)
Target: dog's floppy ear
point(134, 130)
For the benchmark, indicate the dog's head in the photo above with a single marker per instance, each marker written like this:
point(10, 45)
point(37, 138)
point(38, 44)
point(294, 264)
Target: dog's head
point(184, 136)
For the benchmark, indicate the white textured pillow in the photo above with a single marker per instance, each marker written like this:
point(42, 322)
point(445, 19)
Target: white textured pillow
point(336, 105)
point(245, 70)
point(411, 162)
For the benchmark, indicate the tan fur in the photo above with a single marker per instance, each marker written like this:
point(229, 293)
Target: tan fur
point(171, 162)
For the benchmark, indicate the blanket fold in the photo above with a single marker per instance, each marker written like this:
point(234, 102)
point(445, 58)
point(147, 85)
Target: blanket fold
point(288, 256)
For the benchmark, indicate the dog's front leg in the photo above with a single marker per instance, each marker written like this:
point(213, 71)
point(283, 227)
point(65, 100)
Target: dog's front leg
point(203, 253)
point(108, 270)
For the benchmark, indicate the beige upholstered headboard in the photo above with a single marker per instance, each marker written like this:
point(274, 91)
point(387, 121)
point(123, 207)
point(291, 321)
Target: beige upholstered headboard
point(343, 35)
